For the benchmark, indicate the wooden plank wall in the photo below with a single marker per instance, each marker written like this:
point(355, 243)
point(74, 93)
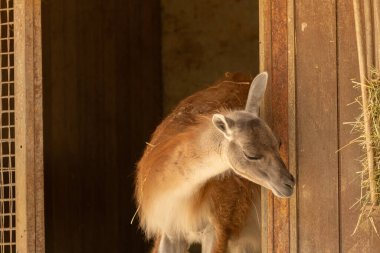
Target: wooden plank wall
point(325, 61)
point(102, 100)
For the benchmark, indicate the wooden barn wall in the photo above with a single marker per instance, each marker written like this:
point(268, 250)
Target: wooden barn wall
point(321, 61)
point(102, 100)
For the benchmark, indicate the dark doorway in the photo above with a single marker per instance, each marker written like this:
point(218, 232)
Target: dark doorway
point(102, 100)
point(104, 94)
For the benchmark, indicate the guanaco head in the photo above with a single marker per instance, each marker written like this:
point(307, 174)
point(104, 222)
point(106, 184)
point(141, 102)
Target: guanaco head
point(251, 149)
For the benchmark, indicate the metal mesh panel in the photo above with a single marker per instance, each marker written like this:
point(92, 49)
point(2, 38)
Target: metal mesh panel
point(7, 133)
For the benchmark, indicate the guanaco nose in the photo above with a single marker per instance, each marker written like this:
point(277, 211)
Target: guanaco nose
point(290, 181)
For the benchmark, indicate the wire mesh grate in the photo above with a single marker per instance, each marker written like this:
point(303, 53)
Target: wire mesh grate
point(7, 131)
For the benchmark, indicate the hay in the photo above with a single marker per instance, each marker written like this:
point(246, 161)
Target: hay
point(368, 124)
point(370, 195)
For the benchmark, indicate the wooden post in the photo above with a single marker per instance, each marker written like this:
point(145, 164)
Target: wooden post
point(28, 128)
point(279, 231)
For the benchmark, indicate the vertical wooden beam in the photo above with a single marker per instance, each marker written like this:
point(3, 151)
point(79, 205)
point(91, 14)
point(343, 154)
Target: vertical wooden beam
point(265, 65)
point(277, 57)
point(317, 141)
point(28, 128)
point(281, 229)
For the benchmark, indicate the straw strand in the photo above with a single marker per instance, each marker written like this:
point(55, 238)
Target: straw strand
point(368, 34)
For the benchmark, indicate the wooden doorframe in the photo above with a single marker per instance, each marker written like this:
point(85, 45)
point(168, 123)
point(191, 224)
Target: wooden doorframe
point(277, 56)
point(28, 127)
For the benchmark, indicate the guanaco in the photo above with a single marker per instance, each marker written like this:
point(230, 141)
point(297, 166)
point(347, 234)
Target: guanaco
point(199, 178)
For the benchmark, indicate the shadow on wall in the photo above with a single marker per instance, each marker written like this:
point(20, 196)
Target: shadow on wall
point(203, 39)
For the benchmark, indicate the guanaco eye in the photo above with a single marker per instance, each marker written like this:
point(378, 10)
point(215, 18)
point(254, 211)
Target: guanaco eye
point(250, 157)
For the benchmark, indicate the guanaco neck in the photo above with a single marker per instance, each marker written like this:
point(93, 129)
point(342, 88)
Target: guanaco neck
point(194, 161)
point(210, 160)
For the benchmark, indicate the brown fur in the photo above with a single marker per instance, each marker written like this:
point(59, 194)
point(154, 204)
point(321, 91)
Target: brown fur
point(229, 195)
point(232, 198)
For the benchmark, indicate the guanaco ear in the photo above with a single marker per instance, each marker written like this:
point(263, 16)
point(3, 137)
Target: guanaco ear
point(256, 93)
point(223, 124)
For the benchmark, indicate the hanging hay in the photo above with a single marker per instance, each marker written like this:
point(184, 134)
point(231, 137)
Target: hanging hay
point(370, 196)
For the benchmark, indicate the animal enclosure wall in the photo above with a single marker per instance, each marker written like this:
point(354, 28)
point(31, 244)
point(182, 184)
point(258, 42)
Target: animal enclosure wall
point(7, 134)
point(21, 178)
point(309, 49)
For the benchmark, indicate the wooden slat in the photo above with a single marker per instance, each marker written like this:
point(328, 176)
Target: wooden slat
point(277, 48)
point(39, 185)
point(365, 239)
point(265, 112)
point(292, 126)
point(316, 78)
point(279, 99)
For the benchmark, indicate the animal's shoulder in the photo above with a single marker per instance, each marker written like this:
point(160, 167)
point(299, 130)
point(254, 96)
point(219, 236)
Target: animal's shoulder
point(228, 93)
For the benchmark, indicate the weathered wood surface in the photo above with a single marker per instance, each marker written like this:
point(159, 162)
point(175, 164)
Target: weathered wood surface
point(317, 126)
point(279, 98)
point(325, 62)
point(274, 59)
point(28, 126)
point(265, 112)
